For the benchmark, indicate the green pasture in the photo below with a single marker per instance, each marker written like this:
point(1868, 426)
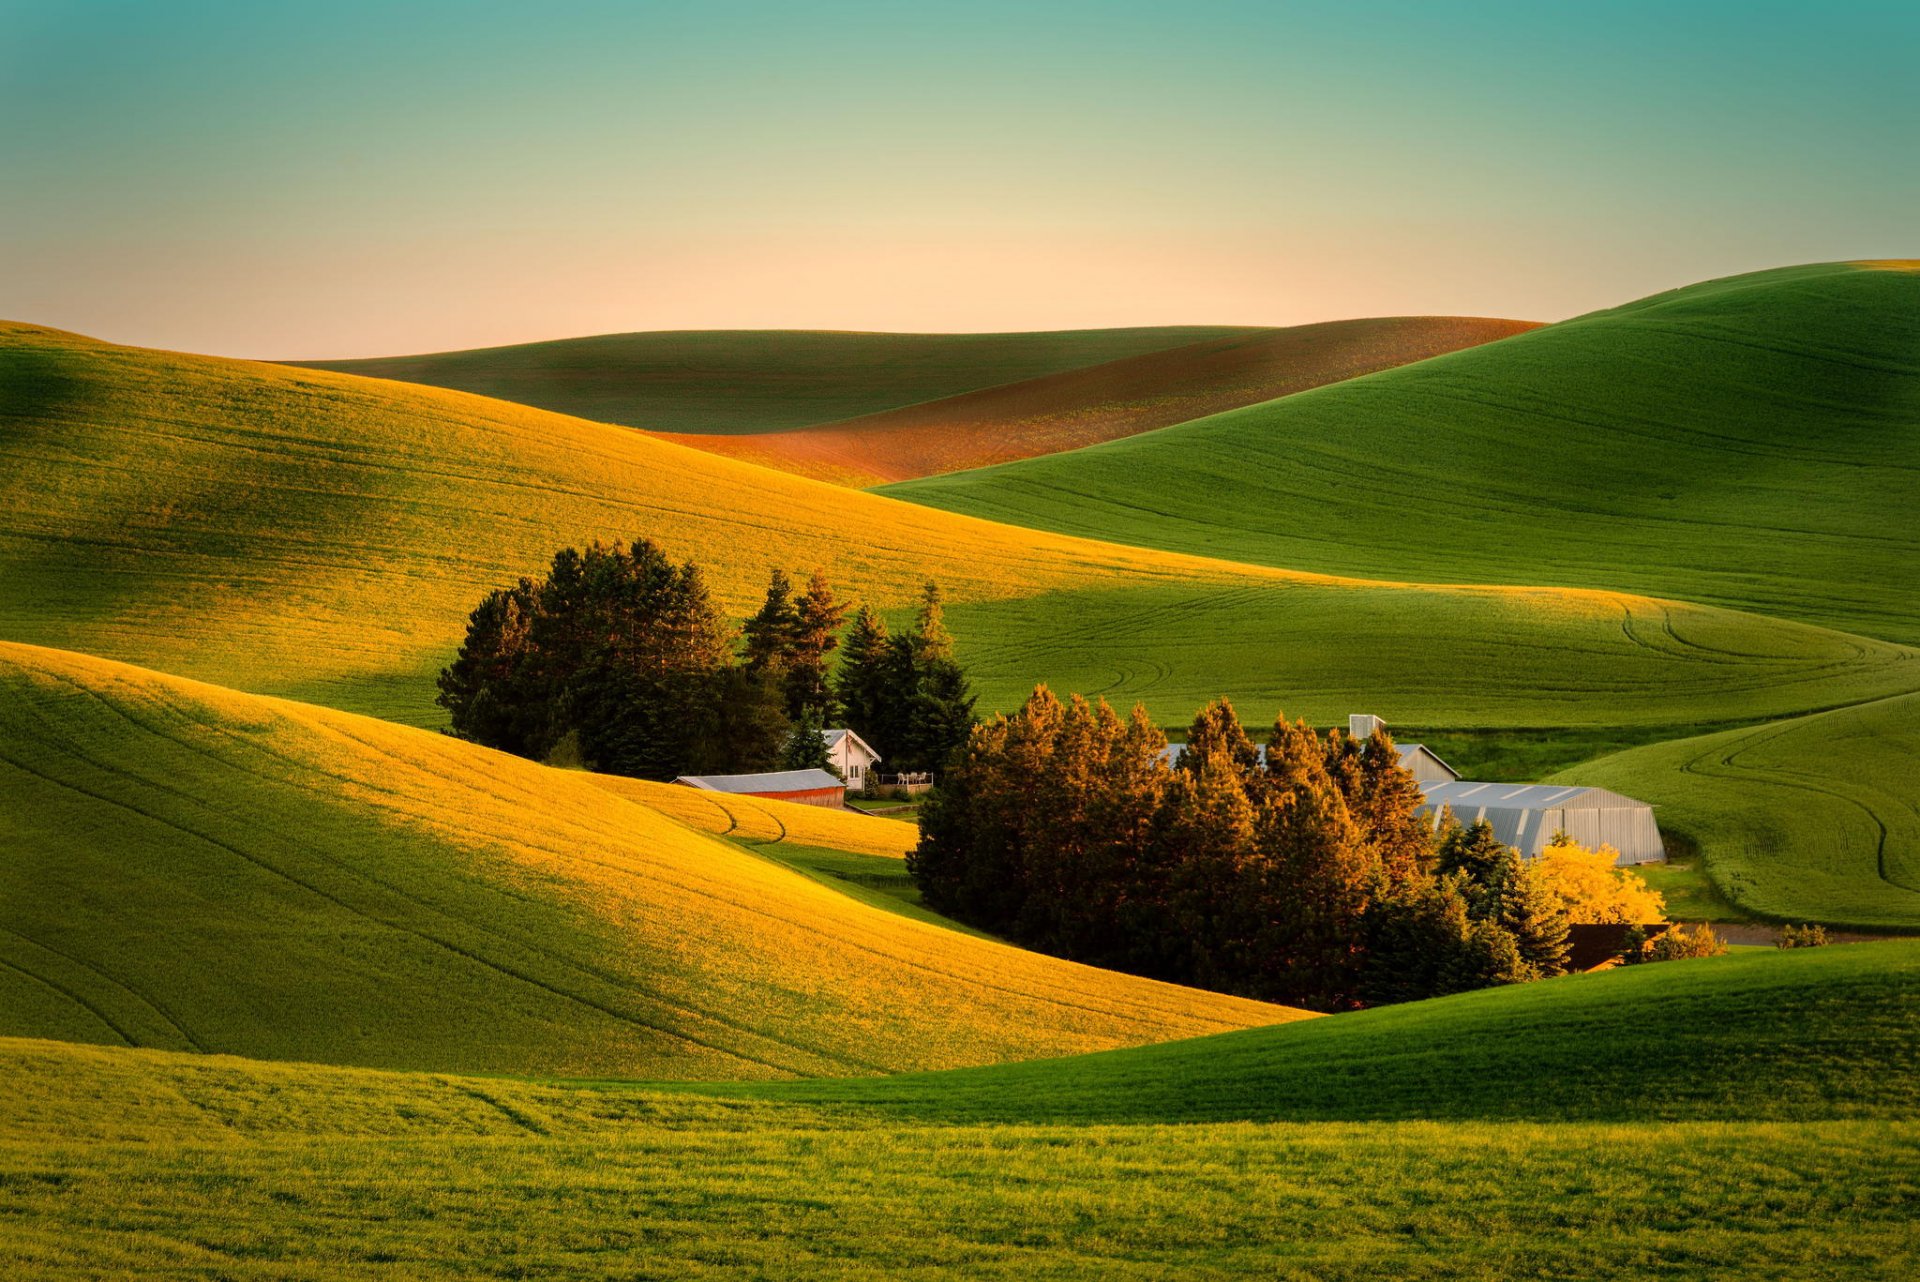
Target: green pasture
point(732, 381)
point(1744, 1117)
point(1573, 676)
point(1766, 1035)
point(1752, 442)
point(1811, 819)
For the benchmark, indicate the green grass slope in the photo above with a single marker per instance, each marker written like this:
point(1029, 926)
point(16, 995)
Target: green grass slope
point(1744, 1117)
point(1102, 402)
point(1811, 819)
point(186, 867)
point(1786, 1036)
point(322, 537)
point(1751, 442)
point(726, 381)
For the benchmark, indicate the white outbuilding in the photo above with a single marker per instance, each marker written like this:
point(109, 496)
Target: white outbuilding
point(1527, 815)
point(850, 755)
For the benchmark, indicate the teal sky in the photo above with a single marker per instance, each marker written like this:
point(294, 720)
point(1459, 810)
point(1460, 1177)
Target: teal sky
point(349, 179)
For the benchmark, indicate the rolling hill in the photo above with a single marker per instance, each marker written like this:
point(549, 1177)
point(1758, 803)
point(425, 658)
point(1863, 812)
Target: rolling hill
point(761, 380)
point(322, 537)
point(1102, 402)
point(1751, 442)
point(191, 868)
point(1815, 818)
point(761, 820)
point(1819, 1033)
point(1678, 1121)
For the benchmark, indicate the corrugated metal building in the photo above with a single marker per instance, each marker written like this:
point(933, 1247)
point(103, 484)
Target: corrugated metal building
point(1526, 815)
point(808, 787)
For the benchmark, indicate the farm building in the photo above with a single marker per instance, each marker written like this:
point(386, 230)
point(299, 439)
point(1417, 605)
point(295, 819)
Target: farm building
point(1423, 762)
point(851, 755)
point(808, 787)
point(1526, 815)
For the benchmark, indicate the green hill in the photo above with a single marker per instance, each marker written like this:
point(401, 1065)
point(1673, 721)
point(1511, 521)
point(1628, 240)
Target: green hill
point(189, 868)
point(727, 381)
point(322, 537)
point(1802, 1035)
point(1750, 1115)
point(1812, 819)
point(1751, 442)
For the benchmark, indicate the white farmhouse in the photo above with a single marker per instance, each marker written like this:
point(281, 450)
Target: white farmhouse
point(851, 755)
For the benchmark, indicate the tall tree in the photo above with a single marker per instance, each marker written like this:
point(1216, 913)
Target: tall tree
point(940, 716)
point(1317, 874)
point(1385, 799)
point(1216, 729)
point(931, 640)
point(863, 683)
point(769, 634)
point(806, 747)
point(1532, 913)
point(817, 617)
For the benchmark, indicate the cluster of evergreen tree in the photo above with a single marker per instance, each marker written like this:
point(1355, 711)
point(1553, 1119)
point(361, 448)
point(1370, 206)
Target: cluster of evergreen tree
point(1307, 879)
point(906, 695)
point(622, 655)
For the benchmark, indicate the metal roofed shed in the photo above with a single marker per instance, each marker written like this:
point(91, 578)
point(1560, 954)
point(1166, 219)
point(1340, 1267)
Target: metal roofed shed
point(808, 787)
point(1526, 815)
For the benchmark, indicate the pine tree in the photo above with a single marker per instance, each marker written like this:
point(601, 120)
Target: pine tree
point(862, 683)
point(1532, 913)
point(940, 716)
point(1385, 800)
point(1488, 865)
point(931, 640)
point(807, 746)
point(817, 617)
point(769, 634)
point(1311, 883)
point(1217, 729)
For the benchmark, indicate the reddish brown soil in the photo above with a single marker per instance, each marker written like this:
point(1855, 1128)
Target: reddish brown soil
point(1101, 402)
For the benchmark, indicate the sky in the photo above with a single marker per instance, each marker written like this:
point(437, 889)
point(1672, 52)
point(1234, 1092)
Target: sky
point(300, 180)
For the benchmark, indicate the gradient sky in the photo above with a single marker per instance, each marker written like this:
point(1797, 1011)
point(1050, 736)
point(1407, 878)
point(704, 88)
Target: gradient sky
point(288, 180)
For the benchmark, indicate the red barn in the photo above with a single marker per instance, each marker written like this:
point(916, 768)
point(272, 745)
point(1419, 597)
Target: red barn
point(808, 787)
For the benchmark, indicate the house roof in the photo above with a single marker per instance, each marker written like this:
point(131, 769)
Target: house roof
point(1466, 794)
point(773, 781)
point(833, 738)
point(1406, 750)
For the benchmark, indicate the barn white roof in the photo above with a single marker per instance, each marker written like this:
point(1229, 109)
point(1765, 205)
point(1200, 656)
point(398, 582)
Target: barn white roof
point(834, 736)
point(1466, 794)
point(774, 781)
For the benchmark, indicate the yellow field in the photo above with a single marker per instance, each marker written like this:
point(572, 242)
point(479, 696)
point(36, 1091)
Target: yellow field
point(193, 868)
point(760, 819)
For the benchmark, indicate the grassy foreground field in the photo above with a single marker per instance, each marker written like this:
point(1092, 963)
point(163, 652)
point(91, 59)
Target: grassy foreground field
point(1751, 442)
point(322, 537)
point(112, 1159)
point(727, 381)
point(195, 869)
point(1825, 1033)
point(1811, 819)
point(1102, 402)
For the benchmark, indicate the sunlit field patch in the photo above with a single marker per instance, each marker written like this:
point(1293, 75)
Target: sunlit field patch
point(323, 537)
point(197, 869)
